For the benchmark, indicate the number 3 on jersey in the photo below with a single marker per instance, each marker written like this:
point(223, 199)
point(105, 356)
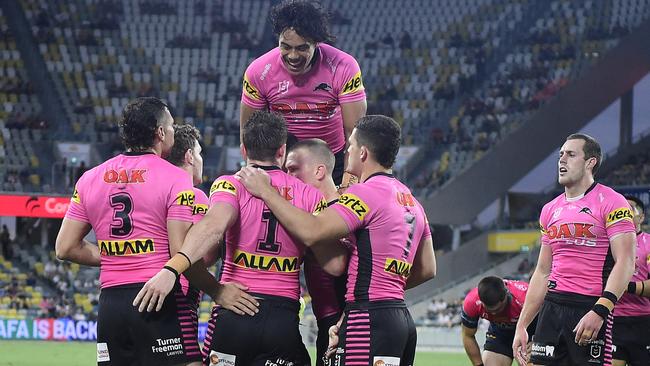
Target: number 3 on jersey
point(122, 205)
point(268, 245)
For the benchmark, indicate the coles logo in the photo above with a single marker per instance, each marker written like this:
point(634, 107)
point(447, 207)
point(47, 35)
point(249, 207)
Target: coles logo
point(33, 206)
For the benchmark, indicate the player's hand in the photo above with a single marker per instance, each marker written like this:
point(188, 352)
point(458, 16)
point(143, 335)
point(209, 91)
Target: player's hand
point(256, 180)
point(588, 328)
point(520, 346)
point(153, 293)
point(333, 341)
point(233, 296)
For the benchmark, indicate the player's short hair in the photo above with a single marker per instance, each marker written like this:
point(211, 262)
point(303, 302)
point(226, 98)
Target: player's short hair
point(307, 18)
point(381, 135)
point(139, 121)
point(291, 140)
point(264, 133)
point(319, 151)
point(638, 202)
point(184, 139)
point(492, 290)
point(591, 148)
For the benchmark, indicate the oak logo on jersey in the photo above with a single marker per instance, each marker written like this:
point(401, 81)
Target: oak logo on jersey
point(185, 198)
point(75, 196)
point(353, 85)
point(398, 267)
point(124, 177)
point(405, 199)
point(126, 247)
point(266, 262)
point(355, 204)
point(571, 230)
point(250, 90)
point(620, 214)
point(200, 209)
point(222, 185)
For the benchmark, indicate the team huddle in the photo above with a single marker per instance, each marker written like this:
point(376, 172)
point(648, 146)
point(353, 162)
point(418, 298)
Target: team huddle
point(317, 192)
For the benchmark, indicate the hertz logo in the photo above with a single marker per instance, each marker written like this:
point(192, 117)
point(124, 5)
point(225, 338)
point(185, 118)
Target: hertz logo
point(619, 214)
point(266, 263)
point(223, 186)
point(355, 84)
point(355, 204)
point(75, 196)
point(126, 247)
point(200, 209)
point(185, 198)
point(250, 89)
point(398, 267)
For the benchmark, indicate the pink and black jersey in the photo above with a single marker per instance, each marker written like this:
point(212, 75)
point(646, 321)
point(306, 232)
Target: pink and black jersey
point(579, 232)
point(631, 304)
point(128, 201)
point(310, 103)
point(388, 224)
point(260, 253)
point(473, 308)
point(201, 205)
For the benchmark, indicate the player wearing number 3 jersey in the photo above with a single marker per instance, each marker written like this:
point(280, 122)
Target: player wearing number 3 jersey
point(139, 206)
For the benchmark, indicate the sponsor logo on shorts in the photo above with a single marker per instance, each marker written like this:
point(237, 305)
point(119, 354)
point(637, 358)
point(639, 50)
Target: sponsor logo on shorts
point(398, 267)
point(75, 196)
point(385, 361)
point(185, 198)
point(614, 348)
point(221, 359)
point(221, 185)
point(102, 352)
point(542, 350)
point(279, 362)
point(354, 204)
point(168, 346)
point(249, 89)
point(200, 209)
point(266, 262)
point(620, 214)
point(126, 247)
point(353, 85)
point(123, 176)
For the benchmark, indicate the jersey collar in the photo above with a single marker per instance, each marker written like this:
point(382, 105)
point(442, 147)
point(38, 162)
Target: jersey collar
point(266, 167)
point(379, 173)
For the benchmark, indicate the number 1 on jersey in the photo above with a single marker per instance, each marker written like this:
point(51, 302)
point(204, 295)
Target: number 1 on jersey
point(268, 244)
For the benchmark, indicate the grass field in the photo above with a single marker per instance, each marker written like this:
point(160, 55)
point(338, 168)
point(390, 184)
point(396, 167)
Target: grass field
point(36, 353)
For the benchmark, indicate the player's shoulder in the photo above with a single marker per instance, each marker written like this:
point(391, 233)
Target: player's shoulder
point(607, 192)
point(258, 65)
point(199, 194)
point(516, 285)
point(472, 300)
point(226, 183)
point(335, 55)
point(552, 204)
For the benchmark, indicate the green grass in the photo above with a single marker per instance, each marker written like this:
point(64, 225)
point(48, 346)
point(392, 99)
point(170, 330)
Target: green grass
point(38, 353)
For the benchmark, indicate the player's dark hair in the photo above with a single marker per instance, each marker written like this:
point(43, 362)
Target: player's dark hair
point(291, 140)
point(264, 133)
point(185, 137)
point(381, 135)
point(638, 202)
point(319, 150)
point(307, 18)
point(491, 290)
point(139, 121)
point(591, 148)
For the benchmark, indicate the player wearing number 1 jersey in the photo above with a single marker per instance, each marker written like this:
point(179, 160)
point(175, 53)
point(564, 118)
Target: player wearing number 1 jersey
point(138, 204)
point(392, 250)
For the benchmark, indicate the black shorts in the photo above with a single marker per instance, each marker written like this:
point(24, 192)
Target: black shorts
point(322, 339)
point(499, 339)
point(375, 332)
point(127, 337)
point(631, 338)
point(339, 162)
point(271, 337)
point(554, 341)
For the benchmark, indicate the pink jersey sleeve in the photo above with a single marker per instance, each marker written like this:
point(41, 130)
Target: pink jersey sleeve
point(201, 205)
point(180, 201)
point(251, 95)
point(348, 82)
point(471, 312)
point(225, 189)
point(76, 209)
point(617, 213)
point(352, 208)
point(543, 223)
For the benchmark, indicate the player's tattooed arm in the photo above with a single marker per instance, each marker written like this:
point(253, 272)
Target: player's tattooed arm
point(71, 246)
